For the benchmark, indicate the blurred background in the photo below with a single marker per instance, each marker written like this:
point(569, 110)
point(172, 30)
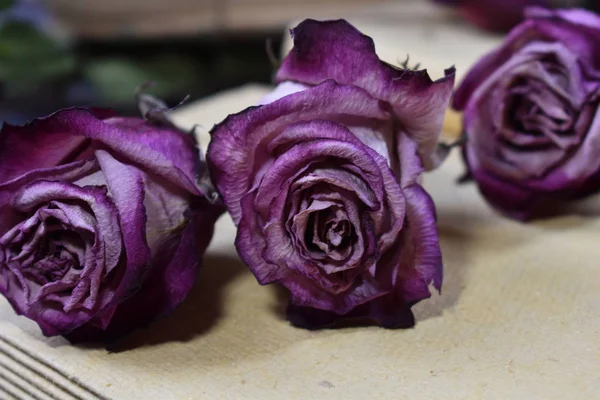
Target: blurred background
point(59, 53)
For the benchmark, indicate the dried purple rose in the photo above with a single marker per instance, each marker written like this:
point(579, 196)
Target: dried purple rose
point(530, 113)
point(102, 221)
point(322, 180)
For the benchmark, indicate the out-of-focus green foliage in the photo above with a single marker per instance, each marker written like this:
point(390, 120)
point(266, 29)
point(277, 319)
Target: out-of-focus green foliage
point(28, 57)
point(117, 78)
point(6, 4)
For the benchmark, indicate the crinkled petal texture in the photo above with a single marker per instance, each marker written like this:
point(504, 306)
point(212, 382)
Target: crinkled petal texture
point(338, 51)
point(97, 222)
point(530, 114)
point(308, 180)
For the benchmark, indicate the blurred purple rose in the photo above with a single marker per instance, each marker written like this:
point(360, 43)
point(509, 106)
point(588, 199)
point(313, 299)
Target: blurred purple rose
point(322, 180)
point(494, 15)
point(102, 221)
point(530, 113)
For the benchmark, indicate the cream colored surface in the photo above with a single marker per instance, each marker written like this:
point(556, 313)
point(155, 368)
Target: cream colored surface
point(519, 318)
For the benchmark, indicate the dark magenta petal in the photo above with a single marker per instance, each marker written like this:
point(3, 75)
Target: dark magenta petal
point(497, 15)
point(389, 313)
point(68, 136)
point(336, 50)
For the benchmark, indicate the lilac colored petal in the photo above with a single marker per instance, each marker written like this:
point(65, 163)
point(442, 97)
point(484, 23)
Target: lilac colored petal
point(238, 146)
point(69, 172)
point(376, 135)
point(581, 165)
point(411, 166)
point(167, 209)
point(474, 88)
point(528, 165)
point(511, 200)
point(421, 258)
point(336, 50)
point(41, 192)
point(305, 293)
point(379, 136)
point(324, 183)
point(127, 188)
point(338, 179)
point(250, 245)
point(106, 251)
point(177, 148)
point(300, 157)
point(73, 217)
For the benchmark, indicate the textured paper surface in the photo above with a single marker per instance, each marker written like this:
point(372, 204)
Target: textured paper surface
point(519, 318)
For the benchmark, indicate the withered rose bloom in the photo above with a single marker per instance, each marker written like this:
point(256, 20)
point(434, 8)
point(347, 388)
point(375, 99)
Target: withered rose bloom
point(323, 180)
point(102, 221)
point(530, 114)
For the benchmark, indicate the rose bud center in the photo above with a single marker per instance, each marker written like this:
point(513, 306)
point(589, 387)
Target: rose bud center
point(538, 113)
point(46, 249)
point(330, 232)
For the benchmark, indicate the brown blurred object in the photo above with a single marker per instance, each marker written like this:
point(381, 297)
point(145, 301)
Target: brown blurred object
point(151, 18)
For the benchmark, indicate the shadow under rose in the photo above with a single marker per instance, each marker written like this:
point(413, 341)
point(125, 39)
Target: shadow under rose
point(199, 312)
